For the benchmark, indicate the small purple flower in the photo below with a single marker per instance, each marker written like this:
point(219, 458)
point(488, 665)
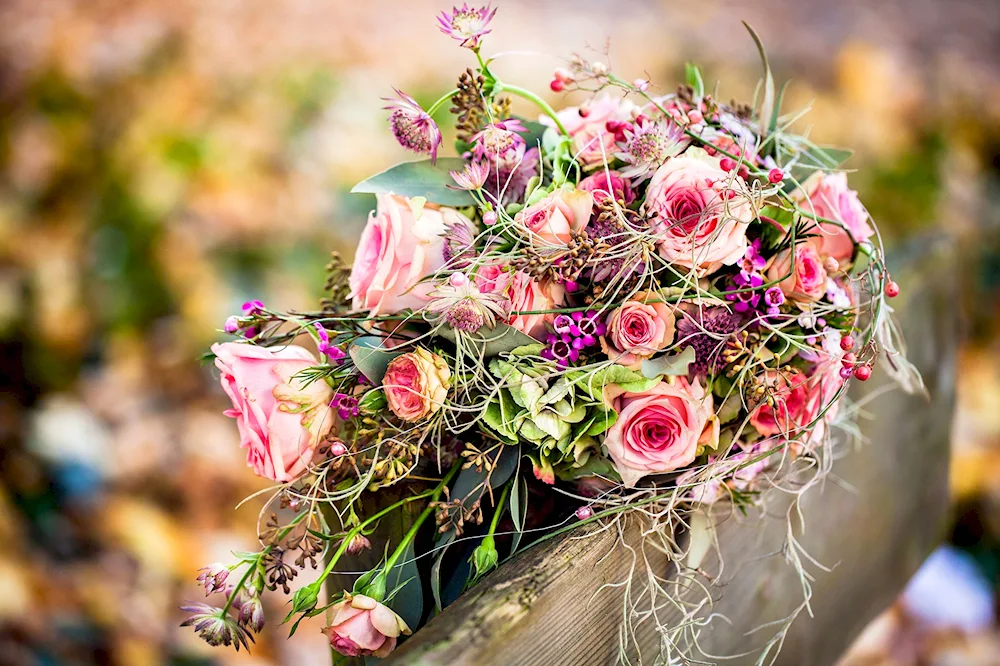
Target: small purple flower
point(413, 127)
point(472, 177)
point(346, 405)
point(774, 299)
point(213, 577)
point(466, 24)
point(333, 352)
point(561, 350)
point(253, 308)
point(232, 325)
point(562, 323)
point(215, 627)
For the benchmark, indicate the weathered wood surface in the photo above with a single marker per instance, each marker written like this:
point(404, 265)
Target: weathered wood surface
point(878, 516)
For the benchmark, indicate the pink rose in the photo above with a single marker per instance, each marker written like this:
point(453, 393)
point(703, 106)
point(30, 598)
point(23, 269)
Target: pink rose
point(416, 384)
point(657, 430)
point(552, 220)
point(827, 195)
point(638, 329)
point(701, 223)
point(524, 294)
point(608, 183)
point(806, 281)
point(402, 244)
point(363, 627)
point(593, 144)
point(795, 406)
point(281, 420)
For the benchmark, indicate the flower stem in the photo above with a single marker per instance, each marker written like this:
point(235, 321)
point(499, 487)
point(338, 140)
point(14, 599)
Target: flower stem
point(438, 104)
point(536, 100)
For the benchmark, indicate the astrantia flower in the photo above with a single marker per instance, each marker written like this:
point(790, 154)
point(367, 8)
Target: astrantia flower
point(707, 330)
point(216, 627)
point(472, 177)
point(648, 145)
point(413, 127)
point(251, 614)
point(213, 577)
point(466, 24)
point(461, 304)
point(508, 182)
point(500, 144)
point(459, 244)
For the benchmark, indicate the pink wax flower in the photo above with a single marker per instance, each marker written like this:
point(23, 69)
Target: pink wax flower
point(638, 329)
point(804, 282)
point(281, 420)
point(701, 223)
point(402, 244)
point(416, 384)
point(657, 430)
point(828, 196)
point(552, 221)
point(363, 627)
point(603, 184)
point(413, 127)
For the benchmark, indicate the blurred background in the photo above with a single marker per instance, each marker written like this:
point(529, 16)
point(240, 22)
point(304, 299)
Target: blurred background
point(162, 161)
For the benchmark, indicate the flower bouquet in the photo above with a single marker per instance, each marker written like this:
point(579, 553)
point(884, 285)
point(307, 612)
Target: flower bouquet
point(646, 303)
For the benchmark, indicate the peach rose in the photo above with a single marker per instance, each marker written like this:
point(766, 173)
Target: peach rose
point(638, 329)
point(827, 195)
point(806, 281)
point(795, 405)
point(696, 224)
point(416, 384)
point(593, 144)
point(402, 244)
point(363, 627)
point(657, 430)
point(524, 294)
point(552, 220)
point(281, 421)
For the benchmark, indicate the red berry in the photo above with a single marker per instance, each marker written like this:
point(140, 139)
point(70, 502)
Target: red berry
point(584, 112)
point(744, 173)
point(847, 343)
point(892, 289)
point(863, 372)
point(727, 164)
point(556, 85)
point(848, 360)
point(775, 176)
point(845, 373)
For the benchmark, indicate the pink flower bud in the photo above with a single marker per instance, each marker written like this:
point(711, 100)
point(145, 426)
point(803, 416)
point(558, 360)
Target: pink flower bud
point(458, 280)
point(584, 512)
point(232, 324)
point(775, 176)
point(642, 85)
point(489, 218)
point(338, 449)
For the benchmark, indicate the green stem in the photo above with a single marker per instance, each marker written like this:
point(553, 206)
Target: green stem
point(438, 104)
point(500, 507)
point(536, 100)
point(253, 567)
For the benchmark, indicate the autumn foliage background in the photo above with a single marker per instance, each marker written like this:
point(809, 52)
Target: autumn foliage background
point(163, 161)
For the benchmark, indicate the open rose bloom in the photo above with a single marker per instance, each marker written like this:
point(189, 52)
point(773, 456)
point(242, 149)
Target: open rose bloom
point(645, 297)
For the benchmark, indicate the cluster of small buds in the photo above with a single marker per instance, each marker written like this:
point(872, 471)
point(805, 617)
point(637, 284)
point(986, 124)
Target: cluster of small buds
point(359, 543)
point(347, 407)
point(560, 79)
point(850, 365)
point(573, 333)
point(249, 609)
point(332, 351)
point(729, 164)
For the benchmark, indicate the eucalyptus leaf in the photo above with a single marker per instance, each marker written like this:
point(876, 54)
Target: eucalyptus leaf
point(492, 342)
point(674, 365)
point(371, 358)
point(420, 179)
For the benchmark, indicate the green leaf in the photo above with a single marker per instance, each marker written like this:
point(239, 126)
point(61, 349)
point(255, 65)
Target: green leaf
point(602, 421)
point(492, 342)
point(372, 402)
point(407, 598)
point(816, 158)
point(776, 113)
point(420, 179)
point(371, 358)
point(536, 130)
point(446, 540)
point(692, 76)
point(593, 383)
point(767, 107)
point(673, 365)
point(518, 509)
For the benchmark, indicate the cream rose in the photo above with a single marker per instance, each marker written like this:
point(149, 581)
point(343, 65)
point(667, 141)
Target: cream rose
point(403, 243)
point(551, 221)
point(804, 282)
point(701, 222)
point(416, 384)
point(524, 293)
